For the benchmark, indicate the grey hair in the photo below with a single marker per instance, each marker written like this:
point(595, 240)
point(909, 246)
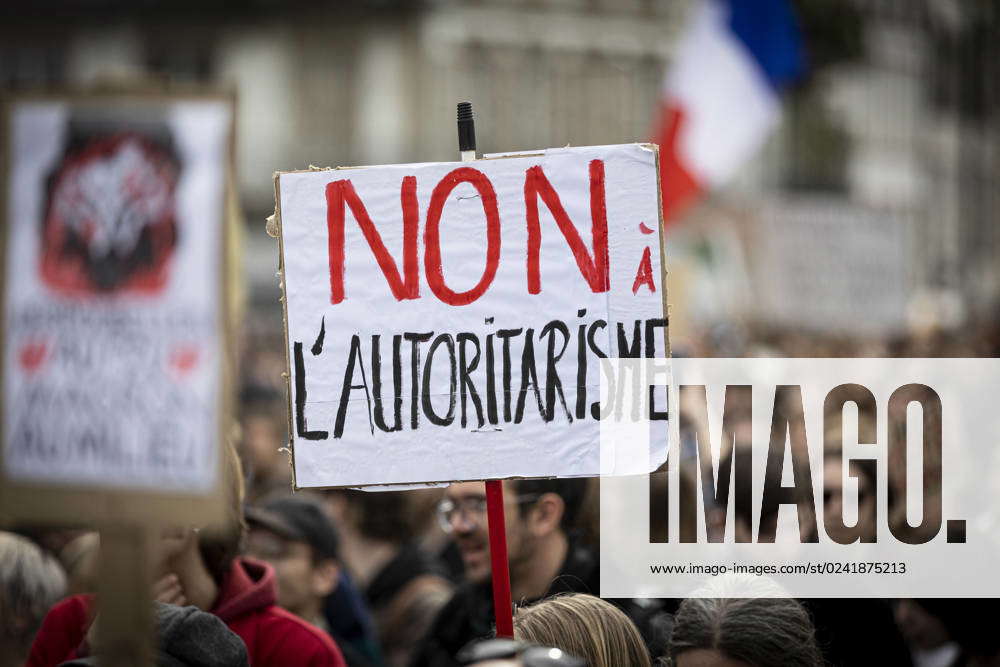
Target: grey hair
point(746, 618)
point(31, 581)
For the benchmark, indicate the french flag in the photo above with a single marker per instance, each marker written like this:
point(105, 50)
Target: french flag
point(721, 98)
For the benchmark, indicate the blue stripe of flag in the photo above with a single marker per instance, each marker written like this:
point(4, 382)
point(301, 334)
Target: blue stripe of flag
point(769, 30)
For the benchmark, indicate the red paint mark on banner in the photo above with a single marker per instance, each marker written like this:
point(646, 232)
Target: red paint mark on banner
point(644, 274)
point(184, 359)
point(595, 268)
point(341, 194)
point(593, 263)
point(432, 235)
point(32, 356)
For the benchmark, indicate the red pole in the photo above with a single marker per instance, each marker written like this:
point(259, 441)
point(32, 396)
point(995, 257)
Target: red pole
point(502, 607)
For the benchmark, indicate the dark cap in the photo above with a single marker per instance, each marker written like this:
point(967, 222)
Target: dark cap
point(298, 519)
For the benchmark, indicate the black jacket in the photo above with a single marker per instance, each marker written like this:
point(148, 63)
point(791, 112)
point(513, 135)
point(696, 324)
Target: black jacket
point(469, 614)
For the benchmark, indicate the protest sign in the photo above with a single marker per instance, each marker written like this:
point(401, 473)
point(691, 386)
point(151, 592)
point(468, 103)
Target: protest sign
point(446, 321)
point(114, 314)
point(800, 247)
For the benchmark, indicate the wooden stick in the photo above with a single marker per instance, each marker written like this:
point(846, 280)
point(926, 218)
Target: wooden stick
point(124, 630)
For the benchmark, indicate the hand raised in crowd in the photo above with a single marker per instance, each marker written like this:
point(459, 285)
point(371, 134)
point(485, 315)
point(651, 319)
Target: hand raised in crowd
point(168, 589)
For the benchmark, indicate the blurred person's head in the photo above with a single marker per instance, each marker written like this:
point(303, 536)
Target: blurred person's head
point(294, 535)
point(539, 515)
point(51, 539)
point(833, 499)
point(761, 629)
point(898, 466)
point(970, 623)
point(76, 550)
point(585, 626)
point(921, 629)
point(201, 557)
point(742, 515)
point(31, 581)
point(264, 422)
point(220, 542)
point(80, 559)
point(659, 493)
point(717, 518)
point(381, 549)
point(587, 526)
point(385, 516)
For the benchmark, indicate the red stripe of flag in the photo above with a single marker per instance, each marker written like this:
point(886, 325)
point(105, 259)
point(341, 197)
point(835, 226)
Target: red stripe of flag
point(678, 186)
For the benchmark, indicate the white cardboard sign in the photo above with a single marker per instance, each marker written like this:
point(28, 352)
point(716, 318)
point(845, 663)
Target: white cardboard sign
point(113, 292)
point(446, 321)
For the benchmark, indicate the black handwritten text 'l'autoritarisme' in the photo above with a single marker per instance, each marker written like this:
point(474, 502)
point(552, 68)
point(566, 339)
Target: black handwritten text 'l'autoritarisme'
point(378, 360)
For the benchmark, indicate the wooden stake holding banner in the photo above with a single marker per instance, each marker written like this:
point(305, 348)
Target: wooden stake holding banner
point(124, 625)
point(503, 607)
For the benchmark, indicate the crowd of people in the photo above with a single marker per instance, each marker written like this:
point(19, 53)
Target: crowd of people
point(402, 578)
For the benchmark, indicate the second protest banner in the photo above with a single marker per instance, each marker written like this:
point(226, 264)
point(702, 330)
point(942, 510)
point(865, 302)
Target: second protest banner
point(446, 321)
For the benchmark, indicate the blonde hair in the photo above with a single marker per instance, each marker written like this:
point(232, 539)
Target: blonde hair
point(584, 626)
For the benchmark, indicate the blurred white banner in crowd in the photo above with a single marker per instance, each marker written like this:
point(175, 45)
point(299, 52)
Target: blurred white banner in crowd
point(825, 265)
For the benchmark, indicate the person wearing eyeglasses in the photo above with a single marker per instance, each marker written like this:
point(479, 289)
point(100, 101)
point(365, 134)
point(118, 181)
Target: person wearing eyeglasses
point(540, 516)
point(538, 521)
point(545, 555)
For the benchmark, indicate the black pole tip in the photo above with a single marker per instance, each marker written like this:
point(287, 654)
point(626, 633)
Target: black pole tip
point(466, 127)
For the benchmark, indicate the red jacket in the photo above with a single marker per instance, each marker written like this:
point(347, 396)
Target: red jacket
point(247, 605)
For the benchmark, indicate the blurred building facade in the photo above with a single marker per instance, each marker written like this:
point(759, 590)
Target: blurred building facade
point(898, 115)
